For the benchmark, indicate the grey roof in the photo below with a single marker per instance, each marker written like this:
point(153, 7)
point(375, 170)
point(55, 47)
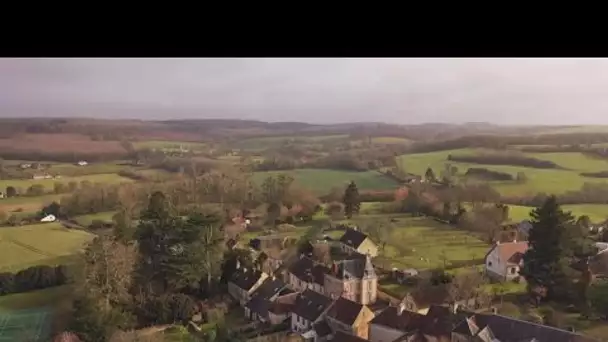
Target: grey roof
point(245, 278)
point(356, 266)
point(345, 311)
point(270, 287)
point(353, 238)
point(310, 305)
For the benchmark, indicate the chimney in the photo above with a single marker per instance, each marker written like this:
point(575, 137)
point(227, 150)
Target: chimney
point(570, 329)
point(455, 308)
point(494, 310)
point(400, 309)
point(514, 240)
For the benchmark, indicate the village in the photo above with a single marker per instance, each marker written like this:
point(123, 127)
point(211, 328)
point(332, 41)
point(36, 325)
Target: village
point(329, 291)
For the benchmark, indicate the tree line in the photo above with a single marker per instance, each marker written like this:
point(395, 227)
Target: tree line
point(33, 278)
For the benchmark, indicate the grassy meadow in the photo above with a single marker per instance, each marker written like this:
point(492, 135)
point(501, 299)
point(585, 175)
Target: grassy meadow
point(596, 212)
point(86, 220)
point(321, 181)
point(26, 203)
point(539, 180)
point(162, 144)
point(50, 244)
point(423, 243)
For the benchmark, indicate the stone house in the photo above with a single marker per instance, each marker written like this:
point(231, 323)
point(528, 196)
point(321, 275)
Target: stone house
point(270, 302)
point(310, 308)
point(504, 260)
point(353, 278)
point(349, 317)
point(244, 282)
point(355, 241)
point(440, 323)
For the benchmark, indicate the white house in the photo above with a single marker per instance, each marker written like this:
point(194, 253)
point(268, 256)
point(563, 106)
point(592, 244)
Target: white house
point(505, 259)
point(48, 218)
point(82, 163)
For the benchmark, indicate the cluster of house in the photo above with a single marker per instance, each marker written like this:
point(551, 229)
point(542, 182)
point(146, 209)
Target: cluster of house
point(340, 301)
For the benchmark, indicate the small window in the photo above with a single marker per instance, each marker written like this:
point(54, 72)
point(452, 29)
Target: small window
point(489, 264)
point(512, 270)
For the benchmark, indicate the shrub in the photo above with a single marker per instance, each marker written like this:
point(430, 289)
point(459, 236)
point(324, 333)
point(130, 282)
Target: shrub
point(504, 159)
point(484, 173)
point(7, 283)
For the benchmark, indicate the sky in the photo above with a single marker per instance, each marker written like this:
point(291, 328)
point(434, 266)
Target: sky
point(320, 90)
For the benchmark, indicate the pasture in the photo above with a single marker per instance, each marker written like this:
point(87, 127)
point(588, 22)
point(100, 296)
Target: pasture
point(320, 181)
point(262, 143)
point(596, 212)
point(26, 203)
point(41, 244)
point(169, 145)
point(86, 220)
point(423, 243)
point(105, 178)
point(29, 316)
point(538, 180)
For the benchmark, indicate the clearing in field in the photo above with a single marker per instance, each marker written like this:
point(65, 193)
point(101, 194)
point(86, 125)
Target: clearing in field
point(48, 244)
point(106, 178)
point(539, 180)
point(423, 243)
point(86, 220)
point(321, 181)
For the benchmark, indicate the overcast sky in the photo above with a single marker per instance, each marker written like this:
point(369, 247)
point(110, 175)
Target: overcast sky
point(503, 91)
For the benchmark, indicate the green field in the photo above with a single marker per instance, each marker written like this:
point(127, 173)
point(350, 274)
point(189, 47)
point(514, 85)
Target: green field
point(86, 220)
point(539, 180)
point(50, 243)
point(276, 141)
point(321, 181)
point(27, 204)
point(162, 144)
point(106, 178)
point(416, 238)
point(596, 212)
point(390, 140)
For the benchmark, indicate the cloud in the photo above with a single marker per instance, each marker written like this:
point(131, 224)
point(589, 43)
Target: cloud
point(512, 91)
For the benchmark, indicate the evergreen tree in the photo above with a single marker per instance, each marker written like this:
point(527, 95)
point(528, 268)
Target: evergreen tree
point(554, 243)
point(351, 200)
point(175, 252)
point(429, 175)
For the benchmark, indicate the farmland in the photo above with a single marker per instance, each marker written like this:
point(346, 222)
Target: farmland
point(596, 212)
point(106, 178)
point(86, 220)
point(169, 145)
point(21, 247)
point(27, 203)
point(539, 180)
point(321, 181)
point(423, 243)
point(275, 141)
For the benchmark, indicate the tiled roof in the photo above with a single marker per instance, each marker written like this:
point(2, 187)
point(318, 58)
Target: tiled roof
point(345, 311)
point(306, 270)
point(353, 238)
point(270, 287)
point(506, 250)
point(310, 305)
point(245, 278)
point(511, 329)
point(342, 337)
point(322, 329)
point(405, 321)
